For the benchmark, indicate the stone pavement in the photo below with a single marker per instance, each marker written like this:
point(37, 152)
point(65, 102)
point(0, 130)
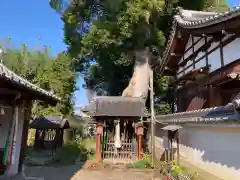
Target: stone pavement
point(74, 173)
point(112, 175)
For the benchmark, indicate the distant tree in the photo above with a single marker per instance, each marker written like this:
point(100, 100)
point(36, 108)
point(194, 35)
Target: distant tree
point(55, 74)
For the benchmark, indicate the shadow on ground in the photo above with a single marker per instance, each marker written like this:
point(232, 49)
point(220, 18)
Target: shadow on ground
point(60, 165)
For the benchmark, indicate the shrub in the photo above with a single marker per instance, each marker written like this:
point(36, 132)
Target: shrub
point(141, 164)
point(73, 150)
point(28, 152)
point(179, 172)
point(68, 153)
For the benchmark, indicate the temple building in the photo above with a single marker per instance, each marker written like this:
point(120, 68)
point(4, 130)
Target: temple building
point(202, 56)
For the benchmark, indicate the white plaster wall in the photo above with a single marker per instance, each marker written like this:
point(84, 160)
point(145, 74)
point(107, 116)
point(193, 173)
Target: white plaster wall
point(213, 149)
point(197, 46)
point(231, 52)
point(214, 60)
point(5, 122)
point(189, 52)
point(201, 63)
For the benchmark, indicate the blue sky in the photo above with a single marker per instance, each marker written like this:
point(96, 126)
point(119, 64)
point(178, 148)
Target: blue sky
point(26, 20)
point(233, 2)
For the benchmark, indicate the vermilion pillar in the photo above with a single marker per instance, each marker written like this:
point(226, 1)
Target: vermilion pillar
point(139, 132)
point(98, 152)
point(140, 147)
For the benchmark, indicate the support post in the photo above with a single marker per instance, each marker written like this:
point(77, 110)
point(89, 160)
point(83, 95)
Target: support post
point(98, 154)
point(171, 147)
point(27, 115)
point(99, 129)
point(139, 147)
point(17, 140)
point(140, 132)
point(152, 115)
point(178, 153)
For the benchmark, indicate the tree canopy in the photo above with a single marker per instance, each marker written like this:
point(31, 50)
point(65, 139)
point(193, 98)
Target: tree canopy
point(102, 36)
point(39, 67)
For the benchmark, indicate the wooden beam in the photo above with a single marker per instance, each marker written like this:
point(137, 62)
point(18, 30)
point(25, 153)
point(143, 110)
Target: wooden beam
point(206, 51)
point(234, 75)
point(221, 53)
point(218, 36)
point(6, 91)
point(168, 71)
point(235, 31)
point(179, 34)
point(193, 44)
point(193, 51)
point(176, 55)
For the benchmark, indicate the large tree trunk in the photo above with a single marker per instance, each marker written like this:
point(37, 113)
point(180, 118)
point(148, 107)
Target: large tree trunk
point(139, 83)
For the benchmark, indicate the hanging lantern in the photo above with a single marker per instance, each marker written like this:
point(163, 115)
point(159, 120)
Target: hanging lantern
point(99, 129)
point(139, 129)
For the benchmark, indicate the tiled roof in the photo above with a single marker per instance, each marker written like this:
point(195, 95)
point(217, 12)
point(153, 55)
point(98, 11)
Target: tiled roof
point(222, 114)
point(7, 74)
point(196, 19)
point(199, 19)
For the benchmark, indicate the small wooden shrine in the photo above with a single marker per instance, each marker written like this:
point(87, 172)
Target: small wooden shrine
point(54, 131)
point(49, 132)
point(117, 118)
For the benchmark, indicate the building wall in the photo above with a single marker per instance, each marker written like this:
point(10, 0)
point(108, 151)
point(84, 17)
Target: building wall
point(5, 122)
point(213, 149)
point(4, 126)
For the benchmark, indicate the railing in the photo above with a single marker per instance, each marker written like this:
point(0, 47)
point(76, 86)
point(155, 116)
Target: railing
point(128, 150)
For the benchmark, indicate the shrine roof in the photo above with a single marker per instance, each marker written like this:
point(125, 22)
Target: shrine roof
point(117, 106)
point(56, 122)
point(49, 122)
